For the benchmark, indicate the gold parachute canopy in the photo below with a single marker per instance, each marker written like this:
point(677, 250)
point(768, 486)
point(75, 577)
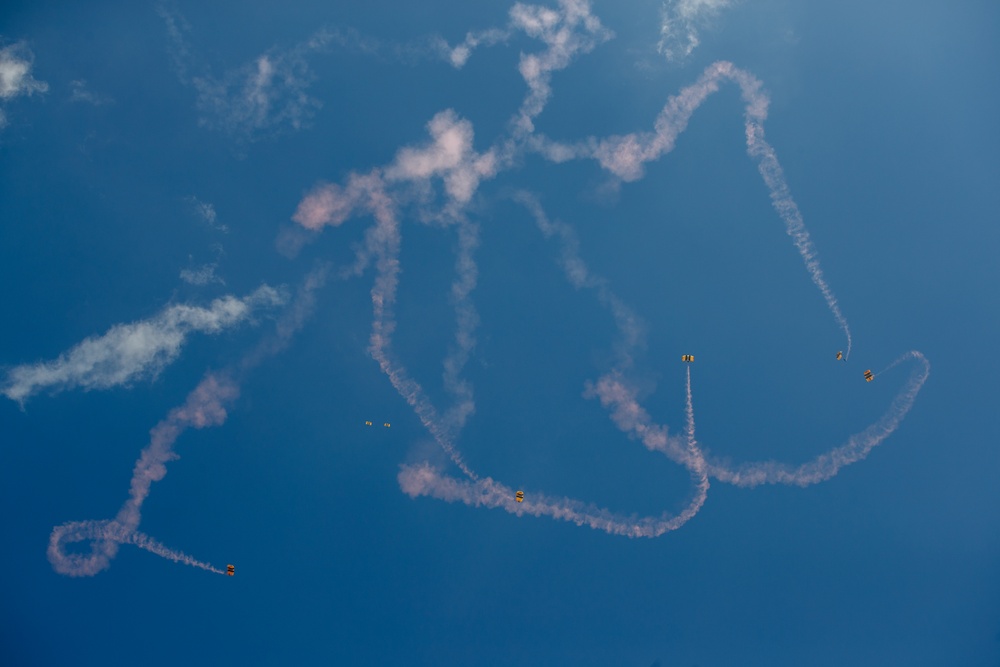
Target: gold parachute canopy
point(840, 356)
point(519, 496)
point(367, 423)
point(687, 358)
point(387, 424)
point(868, 376)
point(230, 571)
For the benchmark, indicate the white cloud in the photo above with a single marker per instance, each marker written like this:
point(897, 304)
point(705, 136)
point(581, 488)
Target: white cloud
point(682, 20)
point(80, 93)
point(15, 75)
point(263, 96)
point(129, 352)
point(206, 211)
point(202, 275)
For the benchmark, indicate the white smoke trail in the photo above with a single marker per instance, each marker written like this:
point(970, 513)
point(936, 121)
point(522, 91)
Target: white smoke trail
point(383, 243)
point(205, 406)
point(825, 466)
point(632, 418)
point(467, 319)
point(425, 480)
point(104, 537)
point(625, 156)
point(894, 363)
point(450, 157)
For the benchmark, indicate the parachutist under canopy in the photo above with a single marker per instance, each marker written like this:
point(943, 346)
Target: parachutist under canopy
point(230, 571)
point(688, 358)
point(868, 376)
point(519, 496)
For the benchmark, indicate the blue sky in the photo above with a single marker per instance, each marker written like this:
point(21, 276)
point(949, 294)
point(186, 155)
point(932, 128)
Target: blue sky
point(199, 216)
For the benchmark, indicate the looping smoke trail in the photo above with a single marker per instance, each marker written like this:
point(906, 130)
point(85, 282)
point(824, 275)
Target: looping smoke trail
point(827, 465)
point(451, 158)
point(425, 480)
point(387, 245)
point(632, 419)
point(624, 156)
point(104, 537)
point(205, 406)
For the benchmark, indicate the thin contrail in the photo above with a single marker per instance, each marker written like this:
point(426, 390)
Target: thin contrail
point(204, 407)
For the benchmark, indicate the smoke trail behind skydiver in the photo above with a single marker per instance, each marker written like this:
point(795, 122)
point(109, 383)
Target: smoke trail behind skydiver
point(205, 406)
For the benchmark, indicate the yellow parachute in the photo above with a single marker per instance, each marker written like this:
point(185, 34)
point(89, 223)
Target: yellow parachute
point(230, 571)
point(688, 358)
point(519, 496)
point(868, 376)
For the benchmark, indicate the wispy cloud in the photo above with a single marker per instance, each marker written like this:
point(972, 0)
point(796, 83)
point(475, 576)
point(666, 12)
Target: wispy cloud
point(128, 352)
point(682, 21)
point(206, 211)
point(264, 96)
point(203, 275)
point(16, 62)
point(177, 31)
point(80, 93)
point(567, 31)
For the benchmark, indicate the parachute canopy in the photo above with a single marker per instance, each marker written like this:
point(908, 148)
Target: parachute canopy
point(519, 496)
point(840, 356)
point(387, 424)
point(868, 376)
point(687, 358)
point(230, 571)
point(368, 423)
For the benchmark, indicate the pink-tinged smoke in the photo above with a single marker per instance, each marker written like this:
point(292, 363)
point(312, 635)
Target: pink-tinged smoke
point(368, 195)
point(425, 480)
point(626, 155)
point(450, 157)
point(204, 407)
point(105, 536)
point(616, 395)
point(486, 492)
point(330, 204)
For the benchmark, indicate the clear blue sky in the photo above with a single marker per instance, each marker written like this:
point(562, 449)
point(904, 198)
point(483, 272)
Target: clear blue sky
point(152, 158)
